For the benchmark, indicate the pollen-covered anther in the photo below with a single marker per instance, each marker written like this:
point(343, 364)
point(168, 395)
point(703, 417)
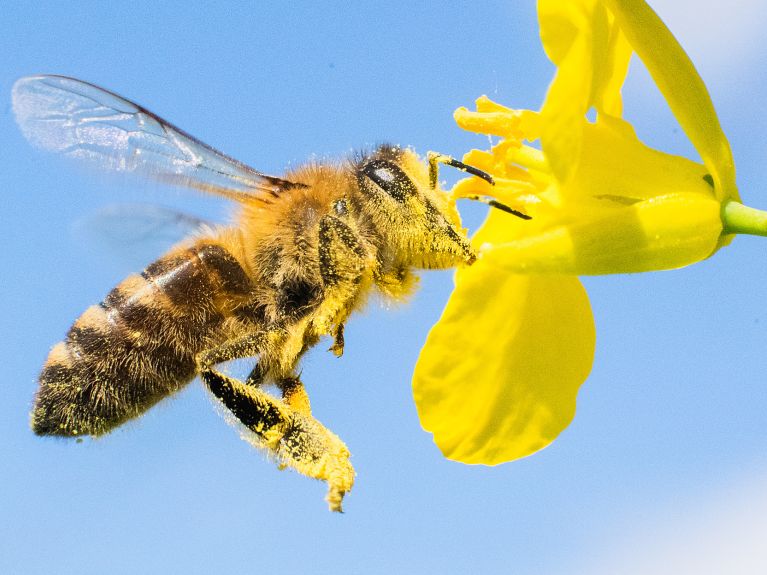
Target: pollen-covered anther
point(504, 124)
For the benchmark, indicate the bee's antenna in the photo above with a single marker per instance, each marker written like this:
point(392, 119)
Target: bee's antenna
point(498, 205)
point(435, 158)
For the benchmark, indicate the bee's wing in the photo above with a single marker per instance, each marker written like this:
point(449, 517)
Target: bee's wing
point(133, 234)
point(83, 121)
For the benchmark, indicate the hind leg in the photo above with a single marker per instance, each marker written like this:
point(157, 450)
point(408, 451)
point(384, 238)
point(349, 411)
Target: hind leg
point(285, 427)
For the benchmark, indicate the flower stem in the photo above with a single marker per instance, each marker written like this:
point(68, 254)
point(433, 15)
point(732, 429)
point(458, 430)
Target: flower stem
point(740, 219)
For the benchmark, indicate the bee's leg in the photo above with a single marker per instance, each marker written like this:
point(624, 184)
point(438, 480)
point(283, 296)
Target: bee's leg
point(294, 394)
point(342, 262)
point(250, 345)
point(342, 256)
point(295, 438)
point(284, 427)
point(338, 340)
point(256, 375)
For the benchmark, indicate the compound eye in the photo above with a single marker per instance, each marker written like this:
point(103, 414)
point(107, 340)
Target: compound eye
point(390, 178)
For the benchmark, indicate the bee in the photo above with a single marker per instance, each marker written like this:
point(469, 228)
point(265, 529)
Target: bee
point(304, 251)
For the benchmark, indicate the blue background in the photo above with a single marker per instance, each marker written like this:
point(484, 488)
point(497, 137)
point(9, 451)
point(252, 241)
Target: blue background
point(665, 466)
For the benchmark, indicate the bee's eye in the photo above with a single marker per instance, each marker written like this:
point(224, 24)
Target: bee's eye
point(390, 178)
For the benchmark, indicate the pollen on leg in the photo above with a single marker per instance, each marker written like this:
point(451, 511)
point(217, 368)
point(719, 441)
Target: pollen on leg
point(294, 394)
point(313, 450)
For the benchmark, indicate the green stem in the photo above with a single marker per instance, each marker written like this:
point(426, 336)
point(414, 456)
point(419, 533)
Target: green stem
point(740, 219)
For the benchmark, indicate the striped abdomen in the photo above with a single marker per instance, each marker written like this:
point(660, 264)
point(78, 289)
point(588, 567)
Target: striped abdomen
point(139, 345)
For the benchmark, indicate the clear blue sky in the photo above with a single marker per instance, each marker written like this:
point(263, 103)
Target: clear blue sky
point(666, 460)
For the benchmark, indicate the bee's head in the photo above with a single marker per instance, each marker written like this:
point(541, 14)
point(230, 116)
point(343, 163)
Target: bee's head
point(421, 223)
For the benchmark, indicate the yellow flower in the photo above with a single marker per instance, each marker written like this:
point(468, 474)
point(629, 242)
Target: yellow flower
point(499, 374)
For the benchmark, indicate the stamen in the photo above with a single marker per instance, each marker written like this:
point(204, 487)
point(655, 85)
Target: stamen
point(528, 157)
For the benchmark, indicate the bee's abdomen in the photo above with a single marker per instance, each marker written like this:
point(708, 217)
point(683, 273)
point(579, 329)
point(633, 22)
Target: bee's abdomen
point(138, 345)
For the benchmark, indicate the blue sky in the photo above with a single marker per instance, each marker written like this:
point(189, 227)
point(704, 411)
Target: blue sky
point(665, 464)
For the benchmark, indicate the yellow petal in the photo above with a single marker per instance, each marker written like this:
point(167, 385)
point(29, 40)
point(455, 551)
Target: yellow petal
point(615, 163)
point(664, 232)
point(592, 56)
point(499, 374)
point(682, 87)
point(610, 75)
point(566, 33)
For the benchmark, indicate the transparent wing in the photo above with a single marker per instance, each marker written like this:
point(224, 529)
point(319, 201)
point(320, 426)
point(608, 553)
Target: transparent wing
point(127, 225)
point(82, 121)
point(133, 234)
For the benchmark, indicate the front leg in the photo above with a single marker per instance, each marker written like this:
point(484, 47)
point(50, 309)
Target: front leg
point(338, 340)
point(284, 427)
point(343, 261)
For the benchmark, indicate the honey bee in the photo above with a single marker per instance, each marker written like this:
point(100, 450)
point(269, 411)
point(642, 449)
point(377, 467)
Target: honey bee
point(304, 251)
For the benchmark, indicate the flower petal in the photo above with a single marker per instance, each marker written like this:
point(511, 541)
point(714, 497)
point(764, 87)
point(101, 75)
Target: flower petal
point(615, 163)
point(566, 33)
point(666, 232)
point(611, 73)
point(682, 87)
point(592, 56)
point(499, 374)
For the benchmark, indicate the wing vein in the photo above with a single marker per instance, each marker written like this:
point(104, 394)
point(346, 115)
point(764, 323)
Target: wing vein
point(81, 120)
